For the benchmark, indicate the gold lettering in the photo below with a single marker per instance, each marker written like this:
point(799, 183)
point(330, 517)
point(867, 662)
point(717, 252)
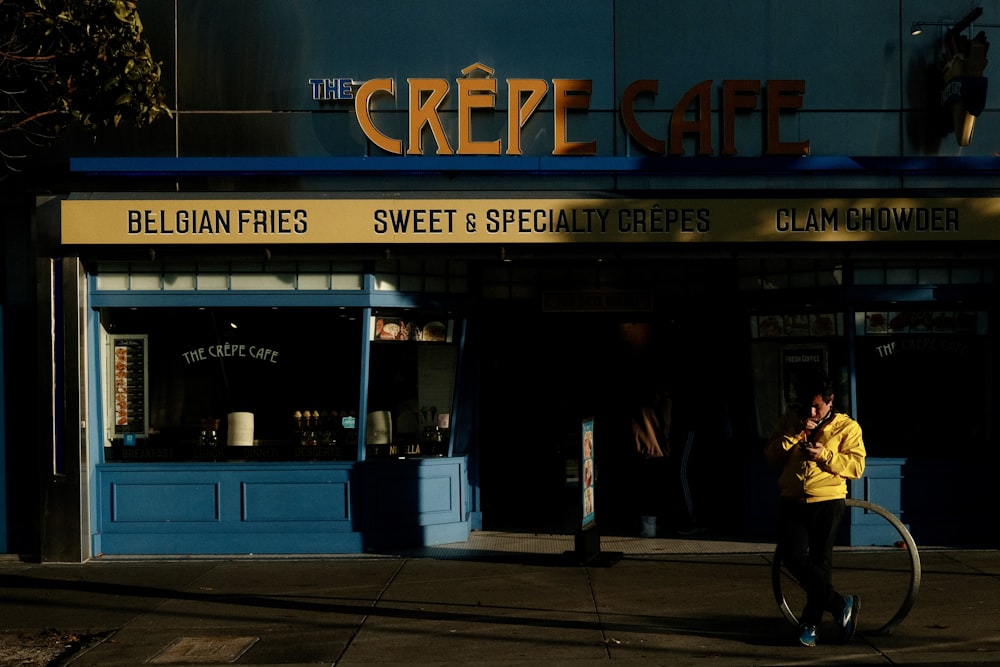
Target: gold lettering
point(475, 94)
point(699, 97)
point(570, 94)
point(736, 95)
point(426, 95)
point(650, 143)
point(517, 113)
point(690, 119)
point(363, 106)
point(783, 94)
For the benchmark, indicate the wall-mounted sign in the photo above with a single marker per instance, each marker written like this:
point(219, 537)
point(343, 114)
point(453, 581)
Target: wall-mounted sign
point(798, 362)
point(160, 221)
point(476, 93)
point(127, 413)
point(230, 351)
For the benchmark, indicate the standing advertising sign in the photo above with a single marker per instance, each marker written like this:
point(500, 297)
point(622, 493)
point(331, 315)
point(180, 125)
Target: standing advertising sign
point(588, 538)
point(587, 474)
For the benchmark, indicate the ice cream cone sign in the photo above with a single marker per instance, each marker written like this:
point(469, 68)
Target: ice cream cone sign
point(964, 84)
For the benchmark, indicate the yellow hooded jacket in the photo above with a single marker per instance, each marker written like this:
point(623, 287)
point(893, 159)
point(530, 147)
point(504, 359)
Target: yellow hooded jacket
point(812, 481)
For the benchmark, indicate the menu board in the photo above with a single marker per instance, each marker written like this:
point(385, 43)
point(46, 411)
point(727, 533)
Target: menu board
point(128, 394)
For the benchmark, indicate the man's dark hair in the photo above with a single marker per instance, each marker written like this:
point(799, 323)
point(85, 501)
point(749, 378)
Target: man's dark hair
point(814, 384)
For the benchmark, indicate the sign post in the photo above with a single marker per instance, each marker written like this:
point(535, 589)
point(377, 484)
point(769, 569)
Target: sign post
point(588, 539)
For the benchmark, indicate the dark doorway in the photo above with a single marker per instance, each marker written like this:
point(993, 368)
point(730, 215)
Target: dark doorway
point(537, 389)
point(543, 372)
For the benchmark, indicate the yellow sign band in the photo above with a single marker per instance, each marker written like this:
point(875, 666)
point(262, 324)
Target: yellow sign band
point(512, 221)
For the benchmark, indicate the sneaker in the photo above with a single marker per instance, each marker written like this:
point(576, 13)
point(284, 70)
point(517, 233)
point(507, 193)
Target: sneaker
point(807, 635)
point(848, 620)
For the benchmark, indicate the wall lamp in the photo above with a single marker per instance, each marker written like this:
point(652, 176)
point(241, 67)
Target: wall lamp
point(918, 27)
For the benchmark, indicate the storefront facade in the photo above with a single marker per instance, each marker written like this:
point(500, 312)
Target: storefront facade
point(353, 298)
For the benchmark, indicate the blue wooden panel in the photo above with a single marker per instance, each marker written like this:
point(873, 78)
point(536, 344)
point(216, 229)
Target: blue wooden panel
point(180, 543)
point(414, 496)
point(887, 492)
point(147, 508)
point(278, 508)
point(882, 484)
point(295, 501)
point(159, 502)
point(420, 501)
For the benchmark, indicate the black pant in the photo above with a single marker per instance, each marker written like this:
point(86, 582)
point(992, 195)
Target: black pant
point(806, 533)
point(655, 485)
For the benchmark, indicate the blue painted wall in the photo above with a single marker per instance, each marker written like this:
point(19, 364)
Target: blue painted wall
point(869, 82)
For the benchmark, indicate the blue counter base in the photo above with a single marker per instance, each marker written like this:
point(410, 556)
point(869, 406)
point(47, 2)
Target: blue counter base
point(279, 508)
point(881, 484)
point(179, 544)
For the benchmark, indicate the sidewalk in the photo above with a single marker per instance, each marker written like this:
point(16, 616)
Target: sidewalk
point(498, 599)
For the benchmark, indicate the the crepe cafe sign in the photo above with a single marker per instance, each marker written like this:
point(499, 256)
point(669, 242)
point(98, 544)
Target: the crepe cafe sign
point(477, 93)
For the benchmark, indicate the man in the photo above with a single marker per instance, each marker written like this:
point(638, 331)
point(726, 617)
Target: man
point(819, 449)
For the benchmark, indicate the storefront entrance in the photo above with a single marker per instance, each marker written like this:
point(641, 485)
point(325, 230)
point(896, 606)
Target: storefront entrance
point(547, 370)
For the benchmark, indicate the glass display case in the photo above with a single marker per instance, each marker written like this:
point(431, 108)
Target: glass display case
point(412, 367)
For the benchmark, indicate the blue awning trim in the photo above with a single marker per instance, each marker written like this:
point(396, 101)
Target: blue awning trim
point(169, 166)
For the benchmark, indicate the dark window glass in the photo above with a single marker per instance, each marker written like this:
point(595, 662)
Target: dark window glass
point(277, 364)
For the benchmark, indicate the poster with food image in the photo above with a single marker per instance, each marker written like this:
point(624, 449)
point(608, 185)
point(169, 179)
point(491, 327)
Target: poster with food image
point(822, 324)
point(943, 322)
point(876, 322)
point(434, 332)
point(797, 325)
point(899, 322)
point(770, 326)
point(389, 328)
point(921, 322)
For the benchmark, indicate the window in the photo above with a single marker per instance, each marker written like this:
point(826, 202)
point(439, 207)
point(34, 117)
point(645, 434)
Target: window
point(411, 387)
point(180, 383)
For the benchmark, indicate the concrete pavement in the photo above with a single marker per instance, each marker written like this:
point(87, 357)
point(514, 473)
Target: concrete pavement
point(501, 599)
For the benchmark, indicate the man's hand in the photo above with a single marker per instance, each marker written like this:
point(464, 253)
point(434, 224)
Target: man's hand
point(813, 452)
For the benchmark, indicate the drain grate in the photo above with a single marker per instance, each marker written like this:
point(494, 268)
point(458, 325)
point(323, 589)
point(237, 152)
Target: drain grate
point(203, 650)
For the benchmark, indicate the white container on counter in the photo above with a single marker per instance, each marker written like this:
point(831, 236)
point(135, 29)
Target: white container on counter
point(240, 429)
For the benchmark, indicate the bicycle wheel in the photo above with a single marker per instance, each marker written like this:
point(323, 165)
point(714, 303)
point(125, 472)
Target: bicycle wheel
point(909, 599)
